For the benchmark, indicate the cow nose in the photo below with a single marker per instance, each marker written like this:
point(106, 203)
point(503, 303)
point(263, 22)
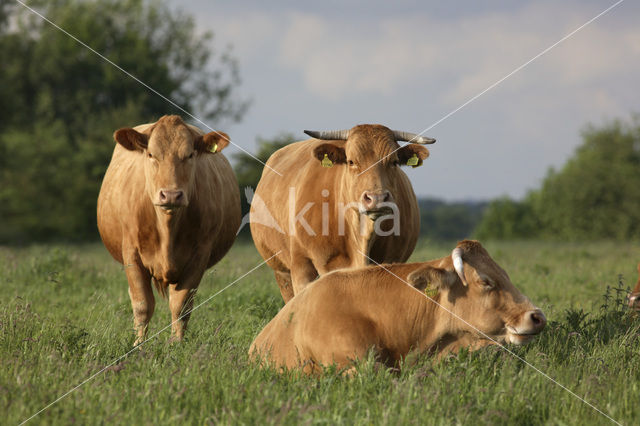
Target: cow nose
point(171, 197)
point(371, 200)
point(536, 319)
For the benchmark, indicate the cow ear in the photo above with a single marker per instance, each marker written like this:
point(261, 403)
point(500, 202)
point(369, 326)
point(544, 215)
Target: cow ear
point(412, 155)
point(428, 277)
point(212, 142)
point(131, 139)
point(333, 152)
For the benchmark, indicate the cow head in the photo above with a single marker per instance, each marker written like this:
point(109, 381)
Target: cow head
point(634, 297)
point(372, 159)
point(171, 150)
point(474, 288)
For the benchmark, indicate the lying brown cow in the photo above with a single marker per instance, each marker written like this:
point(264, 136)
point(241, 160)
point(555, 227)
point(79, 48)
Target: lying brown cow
point(334, 201)
point(168, 209)
point(338, 318)
point(634, 297)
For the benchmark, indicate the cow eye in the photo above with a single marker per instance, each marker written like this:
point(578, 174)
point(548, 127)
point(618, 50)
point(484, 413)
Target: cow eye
point(149, 155)
point(190, 155)
point(488, 284)
point(351, 163)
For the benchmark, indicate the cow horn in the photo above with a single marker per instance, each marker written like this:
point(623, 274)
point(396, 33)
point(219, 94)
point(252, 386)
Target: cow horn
point(331, 135)
point(458, 264)
point(412, 137)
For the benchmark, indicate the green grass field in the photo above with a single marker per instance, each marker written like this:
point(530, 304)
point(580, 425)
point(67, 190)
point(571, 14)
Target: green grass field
point(65, 315)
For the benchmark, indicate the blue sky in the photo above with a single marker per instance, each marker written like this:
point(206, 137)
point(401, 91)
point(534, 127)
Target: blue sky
point(406, 64)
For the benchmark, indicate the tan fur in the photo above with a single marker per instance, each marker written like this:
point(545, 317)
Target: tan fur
point(173, 248)
point(300, 257)
point(634, 297)
point(346, 313)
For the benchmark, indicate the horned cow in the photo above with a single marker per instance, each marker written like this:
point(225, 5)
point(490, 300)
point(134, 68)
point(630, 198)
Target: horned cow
point(360, 205)
point(470, 302)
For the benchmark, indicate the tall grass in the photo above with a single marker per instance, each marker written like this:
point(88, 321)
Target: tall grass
point(65, 315)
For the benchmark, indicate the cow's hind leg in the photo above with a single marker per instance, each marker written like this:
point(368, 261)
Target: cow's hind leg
point(284, 282)
point(142, 301)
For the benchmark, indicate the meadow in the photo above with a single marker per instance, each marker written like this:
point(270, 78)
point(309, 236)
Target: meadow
point(65, 315)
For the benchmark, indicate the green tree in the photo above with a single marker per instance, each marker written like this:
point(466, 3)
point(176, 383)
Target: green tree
point(597, 192)
point(506, 219)
point(249, 171)
point(61, 102)
point(595, 195)
point(446, 221)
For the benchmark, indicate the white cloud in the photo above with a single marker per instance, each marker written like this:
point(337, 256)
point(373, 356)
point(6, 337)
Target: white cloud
point(248, 33)
point(337, 58)
point(458, 57)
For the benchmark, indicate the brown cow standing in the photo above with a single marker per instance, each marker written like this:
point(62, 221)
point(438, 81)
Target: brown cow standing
point(341, 316)
point(634, 297)
point(312, 219)
point(168, 209)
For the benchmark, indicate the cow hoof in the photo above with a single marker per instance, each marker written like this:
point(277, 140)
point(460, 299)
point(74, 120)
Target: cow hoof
point(174, 339)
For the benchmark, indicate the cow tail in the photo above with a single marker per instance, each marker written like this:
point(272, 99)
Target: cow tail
point(161, 287)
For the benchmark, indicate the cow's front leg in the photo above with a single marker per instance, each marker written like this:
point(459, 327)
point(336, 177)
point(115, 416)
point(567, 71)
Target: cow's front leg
point(302, 273)
point(141, 294)
point(181, 303)
point(284, 282)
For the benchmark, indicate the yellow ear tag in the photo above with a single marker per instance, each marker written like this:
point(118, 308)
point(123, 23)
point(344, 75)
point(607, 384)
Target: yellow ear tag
point(413, 161)
point(430, 291)
point(326, 162)
point(214, 148)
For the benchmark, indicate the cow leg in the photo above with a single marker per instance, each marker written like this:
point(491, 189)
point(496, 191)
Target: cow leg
point(302, 273)
point(142, 301)
point(180, 304)
point(349, 372)
point(284, 282)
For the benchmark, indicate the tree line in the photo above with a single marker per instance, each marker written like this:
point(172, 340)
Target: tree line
point(60, 104)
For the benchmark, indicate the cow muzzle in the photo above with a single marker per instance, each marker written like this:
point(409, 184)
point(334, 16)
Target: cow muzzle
point(375, 203)
point(634, 301)
point(531, 324)
point(171, 199)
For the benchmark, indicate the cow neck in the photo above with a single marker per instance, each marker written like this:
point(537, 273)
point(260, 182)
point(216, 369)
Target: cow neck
point(360, 242)
point(431, 321)
point(434, 324)
point(168, 227)
point(411, 325)
point(430, 324)
point(369, 237)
